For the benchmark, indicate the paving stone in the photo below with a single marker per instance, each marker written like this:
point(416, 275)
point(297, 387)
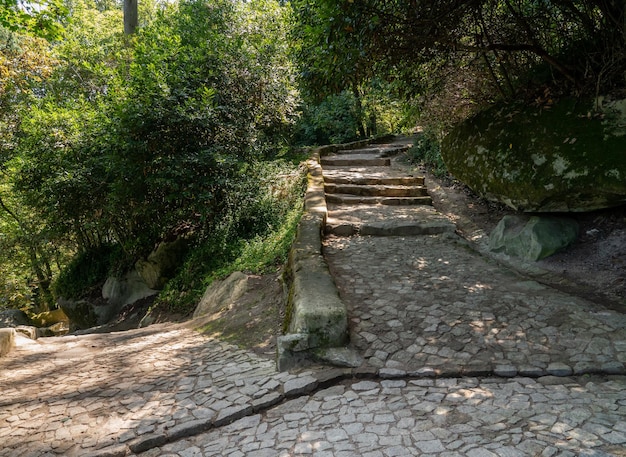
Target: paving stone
point(299, 386)
point(559, 369)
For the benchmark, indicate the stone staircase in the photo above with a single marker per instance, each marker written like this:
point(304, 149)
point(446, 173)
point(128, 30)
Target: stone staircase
point(368, 192)
point(353, 189)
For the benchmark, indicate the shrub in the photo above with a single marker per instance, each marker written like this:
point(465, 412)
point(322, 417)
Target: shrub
point(254, 234)
point(427, 151)
point(87, 270)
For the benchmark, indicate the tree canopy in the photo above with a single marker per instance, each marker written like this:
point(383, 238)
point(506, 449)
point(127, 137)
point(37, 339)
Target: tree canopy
point(111, 141)
point(578, 44)
point(107, 140)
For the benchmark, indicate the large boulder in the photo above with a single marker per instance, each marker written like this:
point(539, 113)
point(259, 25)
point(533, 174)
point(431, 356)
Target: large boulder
point(533, 238)
point(125, 291)
point(47, 323)
point(10, 317)
point(222, 293)
point(116, 293)
point(162, 263)
point(83, 313)
point(568, 157)
point(48, 318)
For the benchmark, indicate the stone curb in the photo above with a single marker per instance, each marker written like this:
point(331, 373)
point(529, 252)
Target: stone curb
point(7, 340)
point(304, 385)
point(316, 317)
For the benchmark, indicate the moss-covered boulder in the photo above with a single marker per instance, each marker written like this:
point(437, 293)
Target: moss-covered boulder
point(567, 157)
point(533, 238)
point(162, 263)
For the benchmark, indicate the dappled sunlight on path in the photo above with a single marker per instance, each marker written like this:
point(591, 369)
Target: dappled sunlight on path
point(427, 304)
point(74, 393)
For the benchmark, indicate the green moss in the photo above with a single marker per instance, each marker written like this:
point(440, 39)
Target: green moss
point(564, 157)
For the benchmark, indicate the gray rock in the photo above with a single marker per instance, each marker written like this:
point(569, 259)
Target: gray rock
point(84, 314)
point(559, 369)
point(506, 371)
point(13, 317)
point(299, 386)
point(388, 373)
point(127, 290)
point(222, 293)
point(341, 357)
point(295, 342)
point(266, 401)
point(116, 292)
point(186, 429)
point(144, 443)
point(533, 238)
point(231, 414)
point(560, 159)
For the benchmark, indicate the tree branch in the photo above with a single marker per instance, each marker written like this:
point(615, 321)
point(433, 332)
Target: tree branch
point(532, 48)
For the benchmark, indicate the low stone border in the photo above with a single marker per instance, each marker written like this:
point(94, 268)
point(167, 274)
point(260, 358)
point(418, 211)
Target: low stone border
point(316, 318)
point(7, 340)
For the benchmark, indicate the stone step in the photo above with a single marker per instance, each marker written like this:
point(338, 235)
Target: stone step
point(376, 190)
point(385, 151)
point(344, 199)
point(377, 220)
point(391, 228)
point(373, 181)
point(357, 161)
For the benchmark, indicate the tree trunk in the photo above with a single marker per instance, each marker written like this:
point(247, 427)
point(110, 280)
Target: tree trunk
point(131, 16)
point(359, 110)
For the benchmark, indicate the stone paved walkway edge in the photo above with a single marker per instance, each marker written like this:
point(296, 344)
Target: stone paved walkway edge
point(316, 317)
point(303, 385)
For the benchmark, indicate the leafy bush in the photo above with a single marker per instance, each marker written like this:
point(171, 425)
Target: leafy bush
point(130, 143)
point(334, 120)
point(254, 235)
point(87, 270)
point(427, 151)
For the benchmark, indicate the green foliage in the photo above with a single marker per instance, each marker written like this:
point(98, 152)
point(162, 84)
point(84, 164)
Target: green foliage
point(427, 151)
point(329, 46)
point(87, 270)
point(254, 235)
point(131, 141)
point(459, 57)
point(43, 18)
point(130, 144)
point(343, 118)
point(334, 120)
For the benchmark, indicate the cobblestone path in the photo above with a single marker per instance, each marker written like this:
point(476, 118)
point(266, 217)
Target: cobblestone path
point(463, 358)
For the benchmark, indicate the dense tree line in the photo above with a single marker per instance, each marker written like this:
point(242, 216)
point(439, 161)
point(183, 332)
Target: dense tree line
point(467, 53)
point(111, 140)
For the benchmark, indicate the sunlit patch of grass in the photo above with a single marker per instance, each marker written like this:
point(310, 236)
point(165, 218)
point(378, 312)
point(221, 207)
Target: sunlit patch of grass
point(263, 254)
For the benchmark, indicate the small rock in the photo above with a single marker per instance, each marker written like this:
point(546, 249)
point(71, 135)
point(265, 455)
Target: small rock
point(506, 371)
point(365, 386)
point(341, 357)
point(391, 373)
point(231, 414)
